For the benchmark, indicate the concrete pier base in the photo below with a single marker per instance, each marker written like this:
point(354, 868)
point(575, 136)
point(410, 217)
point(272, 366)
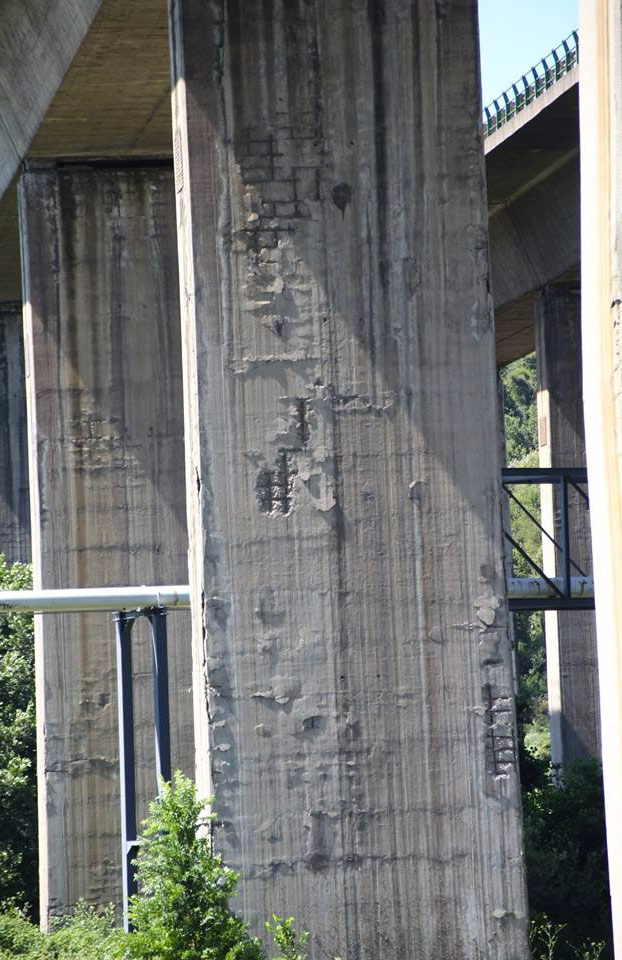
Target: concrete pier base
point(571, 654)
point(353, 685)
point(106, 454)
point(14, 501)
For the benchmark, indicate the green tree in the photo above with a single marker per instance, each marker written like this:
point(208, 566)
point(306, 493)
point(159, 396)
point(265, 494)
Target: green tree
point(18, 788)
point(520, 387)
point(182, 909)
point(566, 853)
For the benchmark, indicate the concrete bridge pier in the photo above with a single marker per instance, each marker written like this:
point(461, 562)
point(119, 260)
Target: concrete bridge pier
point(107, 488)
point(14, 502)
point(571, 654)
point(353, 684)
point(601, 286)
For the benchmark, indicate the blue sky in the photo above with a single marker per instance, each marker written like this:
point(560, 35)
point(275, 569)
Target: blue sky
point(515, 34)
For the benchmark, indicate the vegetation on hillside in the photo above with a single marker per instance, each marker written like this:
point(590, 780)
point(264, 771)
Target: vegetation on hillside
point(18, 785)
point(519, 395)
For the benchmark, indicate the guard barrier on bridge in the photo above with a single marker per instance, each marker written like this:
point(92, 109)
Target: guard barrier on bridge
point(532, 84)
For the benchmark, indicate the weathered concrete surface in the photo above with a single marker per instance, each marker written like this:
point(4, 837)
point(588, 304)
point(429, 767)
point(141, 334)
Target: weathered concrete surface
point(571, 655)
point(106, 448)
point(38, 41)
point(601, 247)
point(14, 501)
point(352, 665)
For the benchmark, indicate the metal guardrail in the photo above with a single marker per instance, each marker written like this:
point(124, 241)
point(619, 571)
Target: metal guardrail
point(532, 84)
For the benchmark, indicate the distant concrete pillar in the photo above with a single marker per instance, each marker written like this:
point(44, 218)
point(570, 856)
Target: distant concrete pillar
point(355, 713)
point(107, 468)
point(571, 655)
point(14, 501)
point(601, 289)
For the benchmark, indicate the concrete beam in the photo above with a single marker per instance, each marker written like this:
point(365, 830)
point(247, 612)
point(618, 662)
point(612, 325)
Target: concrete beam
point(536, 237)
point(571, 655)
point(115, 99)
point(532, 177)
point(601, 246)
point(38, 41)
point(105, 421)
point(353, 686)
point(14, 500)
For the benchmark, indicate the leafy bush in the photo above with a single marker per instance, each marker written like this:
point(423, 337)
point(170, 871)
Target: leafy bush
point(180, 913)
point(566, 853)
point(18, 786)
point(182, 910)
point(87, 935)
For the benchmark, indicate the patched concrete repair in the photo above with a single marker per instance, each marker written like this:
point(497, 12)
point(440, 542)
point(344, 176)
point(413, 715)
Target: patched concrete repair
point(106, 457)
point(353, 684)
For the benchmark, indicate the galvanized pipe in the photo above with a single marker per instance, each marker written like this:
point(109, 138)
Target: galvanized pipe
point(95, 598)
point(519, 588)
point(178, 597)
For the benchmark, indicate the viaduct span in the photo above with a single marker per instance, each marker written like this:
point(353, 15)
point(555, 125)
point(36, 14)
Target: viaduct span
point(285, 263)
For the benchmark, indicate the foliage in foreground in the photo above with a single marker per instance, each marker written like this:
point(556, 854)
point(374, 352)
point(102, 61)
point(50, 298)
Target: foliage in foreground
point(18, 787)
point(566, 853)
point(182, 909)
point(548, 942)
point(86, 935)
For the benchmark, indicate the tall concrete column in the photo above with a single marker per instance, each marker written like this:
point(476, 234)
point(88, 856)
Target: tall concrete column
point(14, 502)
point(601, 290)
point(571, 655)
point(106, 448)
point(355, 718)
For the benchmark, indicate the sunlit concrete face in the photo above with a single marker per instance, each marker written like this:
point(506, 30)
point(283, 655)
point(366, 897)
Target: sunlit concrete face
point(106, 447)
point(353, 688)
point(601, 294)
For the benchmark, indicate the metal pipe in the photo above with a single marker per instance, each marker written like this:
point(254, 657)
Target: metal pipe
point(124, 623)
point(524, 587)
point(95, 598)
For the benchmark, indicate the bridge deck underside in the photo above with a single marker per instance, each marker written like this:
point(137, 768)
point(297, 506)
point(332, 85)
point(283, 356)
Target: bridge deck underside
point(114, 102)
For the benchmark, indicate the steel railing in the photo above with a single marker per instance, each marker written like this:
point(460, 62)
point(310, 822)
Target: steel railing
point(571, 588)
point(532, 84)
